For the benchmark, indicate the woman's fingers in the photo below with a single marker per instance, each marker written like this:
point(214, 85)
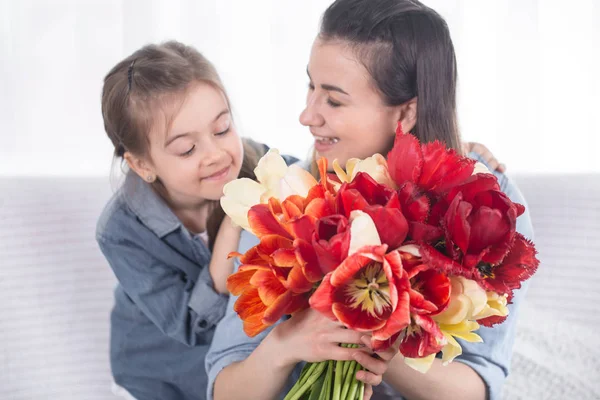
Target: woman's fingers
point(345, 336)
point(339, 353)
point(369, 378)
point(375, 365)
point(368, 392)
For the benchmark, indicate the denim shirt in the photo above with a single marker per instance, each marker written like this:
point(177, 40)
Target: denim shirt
point(490, 359)
point(166, 309)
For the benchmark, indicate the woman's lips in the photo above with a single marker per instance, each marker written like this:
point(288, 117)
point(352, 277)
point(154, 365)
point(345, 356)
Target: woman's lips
point(324, 144)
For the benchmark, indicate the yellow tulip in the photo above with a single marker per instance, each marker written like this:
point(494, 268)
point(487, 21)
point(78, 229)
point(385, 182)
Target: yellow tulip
point(375, 166)
point(275, 179)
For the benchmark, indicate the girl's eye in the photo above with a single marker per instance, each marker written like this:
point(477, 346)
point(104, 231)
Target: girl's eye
point(189, 152)
point(333, 103)
point(311, 86)
point(224, 132)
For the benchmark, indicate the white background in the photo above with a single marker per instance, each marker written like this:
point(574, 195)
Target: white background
point(528, 74)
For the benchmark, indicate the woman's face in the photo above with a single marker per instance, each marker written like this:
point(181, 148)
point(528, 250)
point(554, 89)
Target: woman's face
point(344, 111)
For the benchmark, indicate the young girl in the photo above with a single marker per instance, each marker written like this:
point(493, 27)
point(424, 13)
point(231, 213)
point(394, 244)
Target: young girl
point(168, 116)
point(375, 63)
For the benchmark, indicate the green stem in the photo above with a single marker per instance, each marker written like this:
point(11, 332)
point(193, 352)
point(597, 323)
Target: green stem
point(326, 389)
point(337, 385)
point(354, 383)
point(361, 391)
point(348, 378)
point(347, 363)
point(304, 375)
point(309, 382)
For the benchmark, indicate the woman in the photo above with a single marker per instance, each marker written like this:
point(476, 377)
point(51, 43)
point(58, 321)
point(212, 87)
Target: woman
point(374, 64)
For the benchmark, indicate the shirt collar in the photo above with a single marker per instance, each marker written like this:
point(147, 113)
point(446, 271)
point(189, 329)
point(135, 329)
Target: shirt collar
point(148, 206)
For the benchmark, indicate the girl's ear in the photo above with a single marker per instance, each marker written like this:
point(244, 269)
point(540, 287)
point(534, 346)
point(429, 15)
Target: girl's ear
point(140, 167)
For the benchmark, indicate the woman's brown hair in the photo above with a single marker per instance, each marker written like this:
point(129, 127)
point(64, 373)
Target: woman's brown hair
point(142, 86)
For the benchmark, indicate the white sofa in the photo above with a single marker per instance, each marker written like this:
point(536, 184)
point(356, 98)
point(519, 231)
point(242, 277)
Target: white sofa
point(56, 291)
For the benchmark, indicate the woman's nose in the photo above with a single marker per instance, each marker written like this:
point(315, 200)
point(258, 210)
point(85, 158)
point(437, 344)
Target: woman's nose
point(311, 116)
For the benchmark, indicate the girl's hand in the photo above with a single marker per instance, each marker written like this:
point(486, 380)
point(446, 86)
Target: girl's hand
point(486, 154)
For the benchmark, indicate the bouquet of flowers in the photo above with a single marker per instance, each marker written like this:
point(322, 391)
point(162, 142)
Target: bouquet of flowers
point(420, 247)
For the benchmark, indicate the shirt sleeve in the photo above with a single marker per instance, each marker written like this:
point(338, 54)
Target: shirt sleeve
point(491, 359)
point(179, 306)
point(230, 344)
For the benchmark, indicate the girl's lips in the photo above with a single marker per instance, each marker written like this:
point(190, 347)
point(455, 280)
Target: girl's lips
point(218, 175)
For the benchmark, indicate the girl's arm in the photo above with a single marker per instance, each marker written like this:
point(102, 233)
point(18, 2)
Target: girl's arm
point(154, 278)
point(227, 241)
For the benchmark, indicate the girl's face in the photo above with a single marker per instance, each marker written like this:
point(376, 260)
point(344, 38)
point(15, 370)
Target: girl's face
point(200, 152)
point(344, 111)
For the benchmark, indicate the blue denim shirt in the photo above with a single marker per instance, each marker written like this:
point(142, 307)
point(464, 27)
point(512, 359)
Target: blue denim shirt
point(490, 359)
point(165, 311)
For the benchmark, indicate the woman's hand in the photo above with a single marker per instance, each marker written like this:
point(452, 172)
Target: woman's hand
point(486, 154)
point(376, 364)
point(312, 337)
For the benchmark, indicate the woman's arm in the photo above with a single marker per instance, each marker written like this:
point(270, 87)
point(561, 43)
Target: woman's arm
point(307, 336)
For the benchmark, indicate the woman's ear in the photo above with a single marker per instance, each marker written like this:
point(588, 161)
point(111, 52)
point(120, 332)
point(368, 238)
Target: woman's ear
point(140, 167)
point(407, 115)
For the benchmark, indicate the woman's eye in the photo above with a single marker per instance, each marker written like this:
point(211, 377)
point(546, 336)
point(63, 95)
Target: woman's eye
point(189, 152)
point(311, 86)
point(333, 103)
point(223, 133)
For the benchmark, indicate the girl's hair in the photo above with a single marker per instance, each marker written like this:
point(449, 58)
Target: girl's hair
point(151, 82)
point(406, 48)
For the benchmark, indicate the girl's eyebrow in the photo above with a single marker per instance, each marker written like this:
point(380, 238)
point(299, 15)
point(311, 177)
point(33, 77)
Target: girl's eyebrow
point(173, 138)
point(328, 87)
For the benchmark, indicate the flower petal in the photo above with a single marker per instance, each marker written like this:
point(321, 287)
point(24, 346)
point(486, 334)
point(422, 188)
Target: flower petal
point(398, 321)
point(271, 169)
point(520, 264)
point(239, 281)
point(296, 180)
point(405, 160)
point(238, 196)
point(308, 260)
point(262, 222)
point(278, 308)
point(322, 299)
point(353, 318)
point(251, 310)
point(363, 231)
point(425, 338)
point(420, 364)
point(351, 265)
point(391, 225)
point(443, 168)
point(269, 287)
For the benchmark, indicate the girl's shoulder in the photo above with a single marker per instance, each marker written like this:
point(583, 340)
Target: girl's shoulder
point(132, 207)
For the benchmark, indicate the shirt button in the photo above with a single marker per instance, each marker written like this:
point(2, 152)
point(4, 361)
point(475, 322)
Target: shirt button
point(202, 323)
